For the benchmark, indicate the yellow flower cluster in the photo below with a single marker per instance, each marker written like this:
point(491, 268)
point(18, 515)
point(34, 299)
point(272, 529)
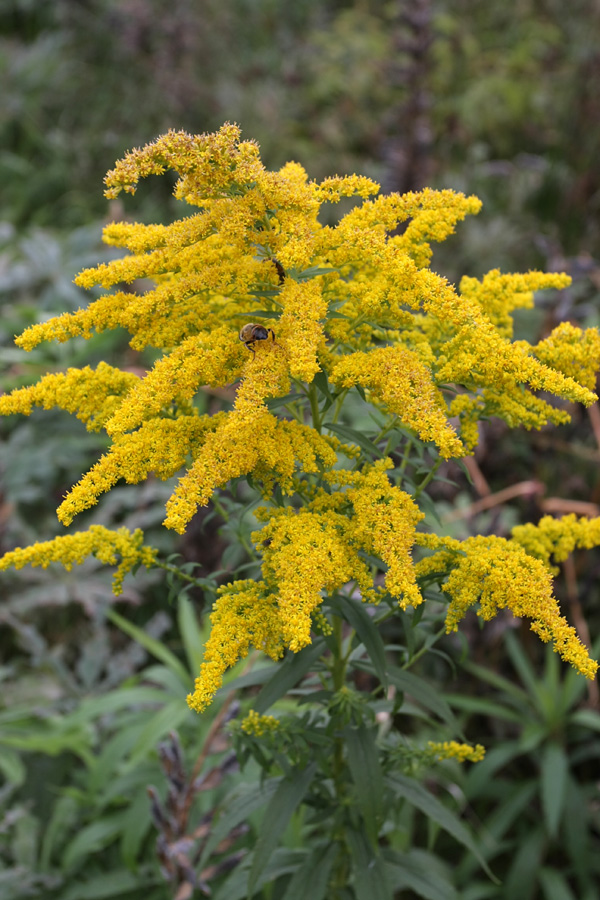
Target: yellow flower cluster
point(555, 539)
point(397, 377)
point(306, 553)
point(355, 301)
point(354, 305)
point(455, 750)
point(72, 549)
point(259, 725)
point(500, 574)
point(243, 616)
point(94, 396)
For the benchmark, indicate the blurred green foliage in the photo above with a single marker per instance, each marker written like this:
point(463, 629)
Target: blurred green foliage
point(497, 100)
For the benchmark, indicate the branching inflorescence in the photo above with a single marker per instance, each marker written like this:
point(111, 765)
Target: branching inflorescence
point(356, 303)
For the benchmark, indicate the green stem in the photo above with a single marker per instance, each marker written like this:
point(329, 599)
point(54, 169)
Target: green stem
point(314, 408)
point(424, 649)
point(405, 458)
point(294, 412)
point(338, 676)
point(339, 404)
point(183, 575)
point(241, 538)
point(430, 475)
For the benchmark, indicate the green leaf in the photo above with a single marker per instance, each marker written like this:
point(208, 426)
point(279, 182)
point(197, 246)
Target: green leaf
point(322, 385)
point(365, 769)
point(260, 313)
point(520, 697)
point(276, 402)
point(293, 668)
point(286, 799)
point(415, 794)
point(357, 615)
point(480, 777)
point(12, 767)
point(582, 857)
point(586, 718)
point(136, 824)
point(484, 707)
point(311, 272)
point(93, 708)
point(250, 679)
point(191, 633)
point(311, 879)
point(370, 876)
point(354, 437)
point(420, 872)
point(524, 669)
point(92, 838)
point(555, 768)
point(282, 862)
point(237, 806)
point(555, 885)
point(116, 883)
point(516, 798)
point(156, 648)
point(169, 718)
point(522, 877)
point(424, 693)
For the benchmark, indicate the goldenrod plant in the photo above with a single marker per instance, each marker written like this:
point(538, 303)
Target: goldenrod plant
point(317, 327)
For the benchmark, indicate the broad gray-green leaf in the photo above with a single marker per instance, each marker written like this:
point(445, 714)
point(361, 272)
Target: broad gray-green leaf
point(93, 837)
point(555, 885)
point(191, 633)
point(116, 883)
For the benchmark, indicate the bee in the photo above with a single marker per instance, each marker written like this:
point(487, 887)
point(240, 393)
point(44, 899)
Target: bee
point(251, 333)
point(281, 273)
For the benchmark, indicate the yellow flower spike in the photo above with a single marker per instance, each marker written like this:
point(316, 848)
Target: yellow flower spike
point(573, 352)
point(205, 359)
point(299, 327)
point(304, 554)
point(500, 574)
point(245, 615)
point(405, 385)
point(384, 523)
point(94, 396)
point(555, 539)
point(499, 295)
point(206, 163)
point(160, 447)
point(73, 549)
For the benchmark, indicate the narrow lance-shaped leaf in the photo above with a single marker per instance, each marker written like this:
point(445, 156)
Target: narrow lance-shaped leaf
point(365, 769)
point(415, 794)
point(282, 806)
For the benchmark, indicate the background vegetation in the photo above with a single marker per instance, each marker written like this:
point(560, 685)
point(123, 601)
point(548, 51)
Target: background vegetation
point(497, 100)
